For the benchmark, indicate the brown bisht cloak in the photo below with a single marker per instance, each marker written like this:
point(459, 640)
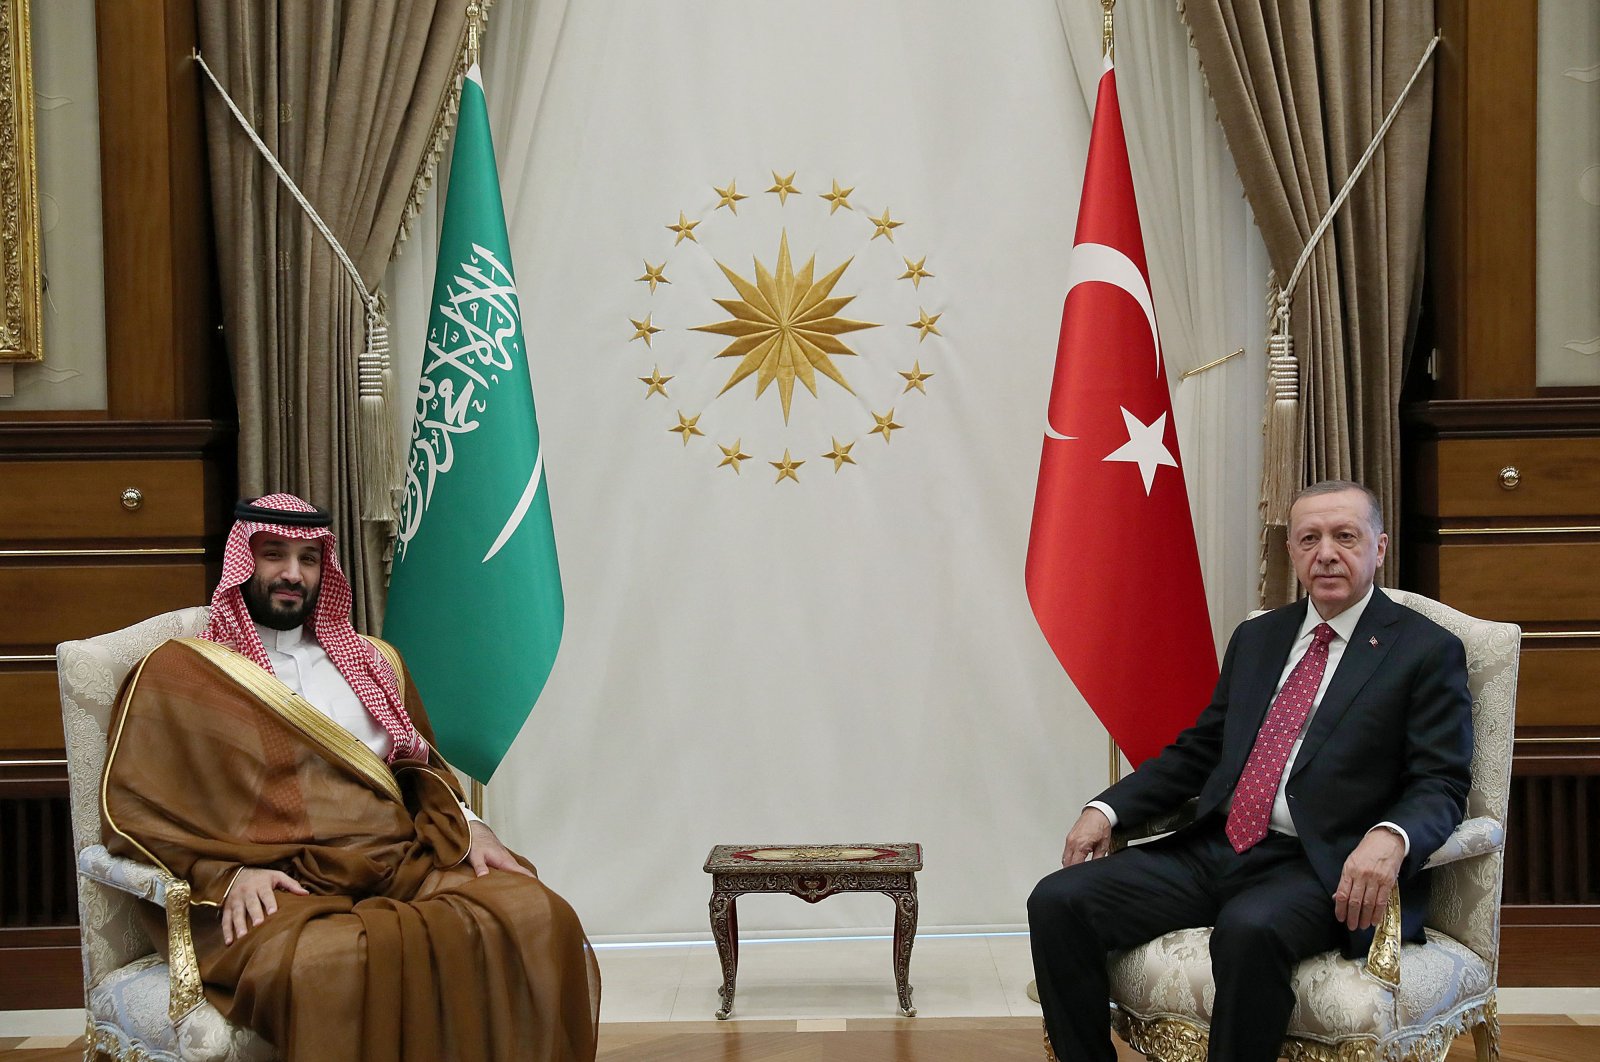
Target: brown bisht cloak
point(400, 952)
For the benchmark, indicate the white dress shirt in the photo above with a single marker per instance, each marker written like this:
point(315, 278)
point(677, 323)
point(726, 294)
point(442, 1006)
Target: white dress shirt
point(305, 667)
point(1344, 625)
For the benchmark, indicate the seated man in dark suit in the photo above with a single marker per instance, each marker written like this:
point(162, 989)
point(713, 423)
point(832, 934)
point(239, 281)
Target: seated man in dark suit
point(1333, 759)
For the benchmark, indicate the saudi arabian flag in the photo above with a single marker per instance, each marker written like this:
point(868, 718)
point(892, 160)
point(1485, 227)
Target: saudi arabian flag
point(475, 597)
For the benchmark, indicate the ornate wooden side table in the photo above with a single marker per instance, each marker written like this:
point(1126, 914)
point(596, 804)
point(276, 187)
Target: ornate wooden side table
point(813, 872)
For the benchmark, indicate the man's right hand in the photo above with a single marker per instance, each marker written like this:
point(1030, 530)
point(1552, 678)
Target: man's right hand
point(1089, 838)
point(250, 900)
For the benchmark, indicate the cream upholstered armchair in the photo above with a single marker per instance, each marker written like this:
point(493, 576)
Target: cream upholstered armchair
point(137, 1005)
point(1407, 1002)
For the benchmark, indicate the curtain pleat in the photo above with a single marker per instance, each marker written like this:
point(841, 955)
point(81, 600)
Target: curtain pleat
point(347, 95)
point(1301, 89)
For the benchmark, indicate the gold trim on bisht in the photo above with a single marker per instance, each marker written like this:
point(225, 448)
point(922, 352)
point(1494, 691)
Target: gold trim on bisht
point(112, 745)
point(295, 710)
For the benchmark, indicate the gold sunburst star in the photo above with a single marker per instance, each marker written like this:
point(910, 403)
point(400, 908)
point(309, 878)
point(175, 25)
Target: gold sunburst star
point(914, 271)
point(785, 326)
point(840, 454)
point(886, 225)
point(786, 468)
point(654, 275)
point(839, 197)
point(784, 186)
point(728, 197)
point(886, 425)
point(658, 383)
point(925, 324)
point(914, 378)
point(685, 230)
point(686, 426)
point(732, 455)
point(642, 330)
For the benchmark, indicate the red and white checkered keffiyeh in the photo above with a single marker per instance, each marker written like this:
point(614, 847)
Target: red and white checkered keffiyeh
point(362, 665)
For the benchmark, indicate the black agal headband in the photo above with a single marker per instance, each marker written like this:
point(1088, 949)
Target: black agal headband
point(247, 509)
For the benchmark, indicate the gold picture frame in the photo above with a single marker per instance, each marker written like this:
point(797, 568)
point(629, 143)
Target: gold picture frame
point(20, 275)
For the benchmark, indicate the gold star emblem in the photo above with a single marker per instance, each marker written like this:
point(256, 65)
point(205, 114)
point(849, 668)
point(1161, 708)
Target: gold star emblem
point(837, 198)
point(654, 275)
point(732, 455)
point(914, 378)
point(840, 455)
point(686, 426)
point(658, 383)
point(684, 228)
point(925, 324)
point(786, 468)
point(728, 197)
point(785, 326)
point(784, 186)
point(914, 271)
point(886, 225)
point(642, 330)
point(886, 425)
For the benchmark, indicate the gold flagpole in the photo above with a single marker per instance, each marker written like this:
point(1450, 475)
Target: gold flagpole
point(1108, 48)
point(475, 798)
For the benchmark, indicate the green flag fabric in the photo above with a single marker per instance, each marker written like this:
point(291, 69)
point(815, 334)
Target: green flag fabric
point(475, 599)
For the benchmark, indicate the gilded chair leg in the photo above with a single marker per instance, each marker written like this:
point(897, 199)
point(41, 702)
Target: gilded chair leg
point(1049, 1052)
point(1486, 1039)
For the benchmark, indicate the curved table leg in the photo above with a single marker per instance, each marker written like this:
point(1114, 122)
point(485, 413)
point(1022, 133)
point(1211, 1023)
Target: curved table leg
point(905, 935)
point(725, 931)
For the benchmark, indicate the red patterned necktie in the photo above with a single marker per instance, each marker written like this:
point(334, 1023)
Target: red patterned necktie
point(1258, 785)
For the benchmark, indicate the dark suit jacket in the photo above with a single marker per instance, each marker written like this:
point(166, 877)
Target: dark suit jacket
point(1391, 741)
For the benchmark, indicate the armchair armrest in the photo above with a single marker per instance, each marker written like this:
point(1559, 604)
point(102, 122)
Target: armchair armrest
point(156, 885)
point(1474, 837)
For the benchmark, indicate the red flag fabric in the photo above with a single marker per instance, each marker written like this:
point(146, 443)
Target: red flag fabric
point(1113, 572)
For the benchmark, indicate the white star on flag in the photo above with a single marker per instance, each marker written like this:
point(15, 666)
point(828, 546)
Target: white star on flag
point(1144, 446)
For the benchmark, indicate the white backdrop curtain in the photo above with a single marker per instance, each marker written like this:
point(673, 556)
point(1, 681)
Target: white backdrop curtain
point(853, 657)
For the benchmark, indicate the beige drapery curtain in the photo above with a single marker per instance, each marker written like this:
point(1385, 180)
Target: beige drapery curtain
point(1300, 90)
point(354, 98)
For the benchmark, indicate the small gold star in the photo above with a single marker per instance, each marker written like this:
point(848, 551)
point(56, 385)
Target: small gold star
point(658, 383)
point(925, 324)
point(786, 468)
point(686, 426)
point(837, 198)
point(684, 228)
point(728, 197)
point(784, 185)
point(642, 330)
point(914, 271)
point(732, 455)
point(840, 455)
point(886, 425)
point(886, 225)
point(914, 378)
point(654, 275)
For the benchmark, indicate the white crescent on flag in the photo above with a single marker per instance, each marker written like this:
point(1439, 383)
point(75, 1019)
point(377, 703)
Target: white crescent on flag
point(1097, 262)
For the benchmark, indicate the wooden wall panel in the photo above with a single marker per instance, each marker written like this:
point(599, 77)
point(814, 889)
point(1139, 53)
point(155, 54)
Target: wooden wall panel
point(1548, 582)
point(161, 342)
point(1559, 686)
point(1554, 477)
point(56, 501)
point(92, 599)
point(1481, 199)
point(30, 713)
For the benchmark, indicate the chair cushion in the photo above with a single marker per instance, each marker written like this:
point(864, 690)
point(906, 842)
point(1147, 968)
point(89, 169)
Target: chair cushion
point(128, 1009)
point(1170, 977)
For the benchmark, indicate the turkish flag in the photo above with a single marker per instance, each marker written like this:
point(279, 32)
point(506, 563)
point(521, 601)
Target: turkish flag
point(1113, 573)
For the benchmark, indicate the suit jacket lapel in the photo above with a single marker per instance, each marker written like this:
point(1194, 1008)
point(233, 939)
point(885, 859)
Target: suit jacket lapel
point(1361, 658)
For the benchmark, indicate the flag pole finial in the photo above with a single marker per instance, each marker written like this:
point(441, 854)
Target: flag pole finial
point(474, 27)
point(1108, 30)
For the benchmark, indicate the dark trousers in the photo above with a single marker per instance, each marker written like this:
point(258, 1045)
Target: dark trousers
point(1267, 909)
